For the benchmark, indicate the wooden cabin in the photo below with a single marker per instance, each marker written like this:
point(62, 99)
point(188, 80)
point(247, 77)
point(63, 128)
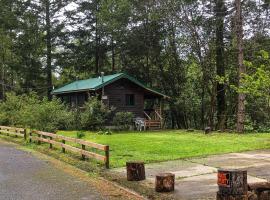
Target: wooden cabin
point(123, 92)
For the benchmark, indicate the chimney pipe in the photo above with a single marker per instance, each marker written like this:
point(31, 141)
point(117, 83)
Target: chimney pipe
point(102, 79)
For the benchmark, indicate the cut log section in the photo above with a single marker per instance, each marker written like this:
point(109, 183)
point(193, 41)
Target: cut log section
point(261, 190)
point(135, 171)
point(259, 187)
point(232, 184)
point(232, 197)
point(165, 182)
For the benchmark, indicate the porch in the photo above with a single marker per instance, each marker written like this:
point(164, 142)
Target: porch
point(153, 118)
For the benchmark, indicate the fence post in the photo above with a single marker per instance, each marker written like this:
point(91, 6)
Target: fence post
point(107, 155)
point(30, 136)
point(39, 138)
point(24, 134)
point(50, 143)
point(63, 148)
point(83, 148)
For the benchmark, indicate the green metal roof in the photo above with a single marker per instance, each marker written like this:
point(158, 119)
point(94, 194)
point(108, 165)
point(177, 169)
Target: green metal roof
point(96, 83)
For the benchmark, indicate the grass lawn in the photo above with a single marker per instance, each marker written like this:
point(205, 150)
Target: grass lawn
point(170, 145)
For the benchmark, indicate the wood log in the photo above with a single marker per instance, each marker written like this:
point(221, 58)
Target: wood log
point(265, 195)
point(259, 187)
point(232, 181)
point(252, 196)
point(261, 190)
point(165, 182)
point(231, 197)
point(135, 171)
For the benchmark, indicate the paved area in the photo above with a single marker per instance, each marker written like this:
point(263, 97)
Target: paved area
point(196, 178)
point(25, 177)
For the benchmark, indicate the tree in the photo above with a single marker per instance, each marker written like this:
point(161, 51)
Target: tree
point(220, 65)
point(241, 66)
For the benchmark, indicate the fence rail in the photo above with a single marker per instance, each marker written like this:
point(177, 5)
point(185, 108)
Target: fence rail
point(21, 132)
point(54, 139)
point(60, 140)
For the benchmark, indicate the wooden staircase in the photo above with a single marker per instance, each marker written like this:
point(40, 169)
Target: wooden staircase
point(153, 119)
point(152, 124)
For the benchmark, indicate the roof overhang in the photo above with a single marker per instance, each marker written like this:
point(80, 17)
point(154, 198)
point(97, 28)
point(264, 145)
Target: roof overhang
point(120, 76)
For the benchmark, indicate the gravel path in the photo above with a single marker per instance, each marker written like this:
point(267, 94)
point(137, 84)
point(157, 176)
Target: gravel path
point(26, 177)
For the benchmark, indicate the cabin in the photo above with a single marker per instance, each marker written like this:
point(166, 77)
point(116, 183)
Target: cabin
point(123, 92)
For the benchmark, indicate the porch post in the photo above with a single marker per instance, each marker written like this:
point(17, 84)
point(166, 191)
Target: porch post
point(161, 111)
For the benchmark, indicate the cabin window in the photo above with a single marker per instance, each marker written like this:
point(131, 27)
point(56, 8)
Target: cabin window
point(66, 99)
point(130, 100)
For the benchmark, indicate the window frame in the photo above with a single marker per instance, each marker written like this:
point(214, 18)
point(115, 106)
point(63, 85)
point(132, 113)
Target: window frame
point(128, 100)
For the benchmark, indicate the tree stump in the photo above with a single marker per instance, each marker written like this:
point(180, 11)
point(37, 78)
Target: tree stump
point(165, 182)
point(135, 171)
point(207, 130)
point(261, 189)
point(252, 196)
point(232, 184)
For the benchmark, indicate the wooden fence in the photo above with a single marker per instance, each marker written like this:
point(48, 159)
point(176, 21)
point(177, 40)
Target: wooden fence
point(59, 140)
point(21, 132)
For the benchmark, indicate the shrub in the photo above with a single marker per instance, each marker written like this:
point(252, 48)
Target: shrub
point(80, 135)
point(123, 120)
point(95, 114)
point(31, 112)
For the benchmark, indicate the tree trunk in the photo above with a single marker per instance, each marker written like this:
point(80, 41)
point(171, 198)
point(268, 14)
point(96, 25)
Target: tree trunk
point(49, 49)
point(220, 66)
point(2, 92)
point(203, 104)
point(241, 67)
point(113, 55)
point(97, 43)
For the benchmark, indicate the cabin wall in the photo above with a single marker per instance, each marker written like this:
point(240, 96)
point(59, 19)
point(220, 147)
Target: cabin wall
point(73, 99)
point(116, 93)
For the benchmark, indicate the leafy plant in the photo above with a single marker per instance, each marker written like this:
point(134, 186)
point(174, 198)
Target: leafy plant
point(31, 112)
point(80, 134)
point(123, 120)
point(95, 114)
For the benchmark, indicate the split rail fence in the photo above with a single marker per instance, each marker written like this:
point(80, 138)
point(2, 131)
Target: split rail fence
point(60, 141)
point(21, 132)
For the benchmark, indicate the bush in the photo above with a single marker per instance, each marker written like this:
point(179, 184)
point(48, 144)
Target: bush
point(80, 135)
point(123, 120)
point(31, 112)
point(95, 114)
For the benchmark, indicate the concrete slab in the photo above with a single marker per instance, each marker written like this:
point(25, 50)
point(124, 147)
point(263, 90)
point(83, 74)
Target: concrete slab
point(196, 178)
point(201, 187)
point(180, 168)
point(235, 160)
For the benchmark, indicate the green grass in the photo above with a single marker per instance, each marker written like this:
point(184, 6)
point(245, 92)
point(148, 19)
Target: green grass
point(170, 145)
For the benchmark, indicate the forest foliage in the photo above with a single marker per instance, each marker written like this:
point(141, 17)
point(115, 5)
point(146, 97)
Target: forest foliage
point(186, 49)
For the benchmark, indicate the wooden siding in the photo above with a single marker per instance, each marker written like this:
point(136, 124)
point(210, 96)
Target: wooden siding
point(116, 93)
